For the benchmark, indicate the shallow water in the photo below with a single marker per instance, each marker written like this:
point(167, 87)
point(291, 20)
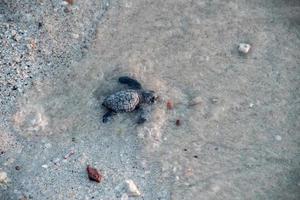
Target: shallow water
point(227, 146)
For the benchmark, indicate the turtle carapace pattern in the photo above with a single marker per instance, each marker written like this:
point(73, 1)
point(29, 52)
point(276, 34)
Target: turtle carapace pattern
point(128, 100)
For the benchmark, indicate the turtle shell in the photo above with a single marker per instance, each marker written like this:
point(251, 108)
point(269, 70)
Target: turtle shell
point(122, 101)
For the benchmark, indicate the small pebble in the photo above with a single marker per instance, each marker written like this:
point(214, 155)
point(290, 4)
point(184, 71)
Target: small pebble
point(17, 59)
point(28, 46)
point(178, 122)
point(17, 37)
point(71, 2)
point(45, 166)
point(124, 196)
point(170, 105)
point(14, 87)
point(244, 48)
point(40, 24)
point(67, 9)
point(13, 32)
point(278, 138)
point(48, 145)
point(75, 35)
point(69, 154)
point(215, 188)
point(17, 168)
point(196, 101)
point(158, 99)
point(56, 161)
point(214, 100)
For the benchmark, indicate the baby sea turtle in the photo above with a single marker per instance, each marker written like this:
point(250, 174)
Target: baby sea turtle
point(128, 100)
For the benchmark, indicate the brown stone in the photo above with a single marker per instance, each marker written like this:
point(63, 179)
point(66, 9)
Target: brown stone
point(93, 174)
point(170, 105)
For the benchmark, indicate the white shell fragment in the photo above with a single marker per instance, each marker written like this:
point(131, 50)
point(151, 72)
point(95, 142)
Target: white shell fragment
point(278, 138)
point(129, 188)
point(45, 166)
point(244, 48)
point(132, 189)
point(3, 179)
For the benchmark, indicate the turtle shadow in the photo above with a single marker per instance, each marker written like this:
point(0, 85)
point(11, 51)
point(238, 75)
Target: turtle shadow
point(106, 88)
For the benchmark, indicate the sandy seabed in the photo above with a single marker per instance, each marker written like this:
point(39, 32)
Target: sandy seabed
point(238, 136)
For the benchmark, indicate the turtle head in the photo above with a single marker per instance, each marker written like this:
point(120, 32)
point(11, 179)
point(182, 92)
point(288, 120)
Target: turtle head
point(148, 96)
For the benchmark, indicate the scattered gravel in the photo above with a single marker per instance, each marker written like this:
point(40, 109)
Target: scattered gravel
point(38, 37)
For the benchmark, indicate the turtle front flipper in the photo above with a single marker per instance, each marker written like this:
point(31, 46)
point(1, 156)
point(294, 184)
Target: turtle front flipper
point(108, 116)
point(132, 83)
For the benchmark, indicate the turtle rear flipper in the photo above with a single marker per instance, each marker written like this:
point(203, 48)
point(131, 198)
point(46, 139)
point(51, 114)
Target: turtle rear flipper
point(107, 116)
point(132, 83)
point(144, 114)
point(141, 120)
